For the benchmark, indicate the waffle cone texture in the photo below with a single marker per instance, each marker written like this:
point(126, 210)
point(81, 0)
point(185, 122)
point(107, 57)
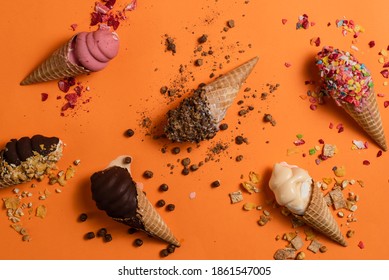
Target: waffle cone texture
point(57, 66)
point(318, 216)
point(152, 221)
point(368, 117)
point(221, 93)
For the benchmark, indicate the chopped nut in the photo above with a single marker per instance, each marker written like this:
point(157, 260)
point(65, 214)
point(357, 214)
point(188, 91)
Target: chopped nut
point(263, 220)
point(323, 249)
point(254, 178)
point(250, 187)
point(350, 233)
point(249, 206)
point(329, 150)
point(41, 211)
point(300, 256)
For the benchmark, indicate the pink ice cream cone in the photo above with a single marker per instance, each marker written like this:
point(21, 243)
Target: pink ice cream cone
point(84, 53)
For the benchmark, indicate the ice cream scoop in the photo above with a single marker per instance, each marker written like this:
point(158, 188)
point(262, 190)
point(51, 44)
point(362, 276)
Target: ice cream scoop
point(93, 50)
point(115, 192)
point(294, 188)
point(291, 186)
point(84, 53)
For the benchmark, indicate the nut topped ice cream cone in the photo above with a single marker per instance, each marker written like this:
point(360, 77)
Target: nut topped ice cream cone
point(197, 117)
point(84, 53)
point(294, 189)
point(115, 192)
point(350, 84)
point(25, 159)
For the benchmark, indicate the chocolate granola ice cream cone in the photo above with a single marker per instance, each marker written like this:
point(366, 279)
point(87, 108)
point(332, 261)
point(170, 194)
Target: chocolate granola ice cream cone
point(27, 158)
point(197, 118)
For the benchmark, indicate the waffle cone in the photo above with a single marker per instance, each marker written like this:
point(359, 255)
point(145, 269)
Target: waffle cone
point(152, 221)
point(318, 216)
point(369, 119)
point(222, 92)
point(57, 66)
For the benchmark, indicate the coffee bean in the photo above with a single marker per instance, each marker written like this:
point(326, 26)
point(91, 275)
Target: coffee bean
point(215, 184)
point(185, 171)
point(163, 187)
point(164, 253)
point(239, 140)
point(170, 207)
point(202, 39)
point(102, 232)
point(148, 174)
point(223, 126)
point(161, 203)
point(176, 150)
point(171, 248)
point(90, 235)
point(132, 230)
point(194, 167)
point(185, 161)
point(127, 160)
point(107, 237)
point(83, 217)
point(138, 242)
point(129, 132)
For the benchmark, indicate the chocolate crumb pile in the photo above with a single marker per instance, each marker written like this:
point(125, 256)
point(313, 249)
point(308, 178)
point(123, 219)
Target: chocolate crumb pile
point(191, 121)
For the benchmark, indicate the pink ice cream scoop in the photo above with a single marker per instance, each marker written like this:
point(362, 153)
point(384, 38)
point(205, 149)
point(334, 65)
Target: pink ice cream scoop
point(93, 50)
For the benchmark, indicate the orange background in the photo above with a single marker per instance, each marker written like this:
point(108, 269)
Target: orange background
point(209, 226)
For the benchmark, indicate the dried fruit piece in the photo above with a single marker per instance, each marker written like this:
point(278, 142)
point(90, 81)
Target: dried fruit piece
point(254, 177)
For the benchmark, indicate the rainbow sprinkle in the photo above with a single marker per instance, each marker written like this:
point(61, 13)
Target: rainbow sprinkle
point(343, 77)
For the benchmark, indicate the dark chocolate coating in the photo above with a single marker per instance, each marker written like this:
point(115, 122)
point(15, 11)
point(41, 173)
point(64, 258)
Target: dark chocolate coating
point(115, 192)
point(17, 151)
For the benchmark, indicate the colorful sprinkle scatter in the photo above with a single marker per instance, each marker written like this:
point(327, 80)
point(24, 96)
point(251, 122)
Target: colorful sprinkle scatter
point(303, 22)
point(343, 77)
point(349, 26)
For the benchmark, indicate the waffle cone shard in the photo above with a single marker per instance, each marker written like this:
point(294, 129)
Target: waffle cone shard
point(152, 221)
point(318, 216)
point(222, 92)
point(369, 119)
point(57, 66)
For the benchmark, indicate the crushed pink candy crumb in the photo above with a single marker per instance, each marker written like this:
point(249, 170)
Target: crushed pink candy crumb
point(385, 73)
point(361, 245)
point(44, 96)
point(287, 64)
point(284, 21)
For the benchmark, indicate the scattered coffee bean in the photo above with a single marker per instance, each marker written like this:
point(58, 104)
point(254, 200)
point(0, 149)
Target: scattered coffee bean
point(189, 149)
point(194, 167)
point(148, 174)
point(132, 230)
point(129, 132)
point(185, 171)
point(83, 217)
point(107, 237)
point(171, 248)
point(202, 39)
point(239, 158)
point(176, 150)
point(163, 188)
point(164, 253)
point(215, 184)
point(90, 235)
point(138, 242)
point(223, 126)
point(185, 161)
point(323, 249)
point(163, 90)
point(102, 232)
point(127, 160)
point(170, 207)
point(161, 203)
point(239, 140)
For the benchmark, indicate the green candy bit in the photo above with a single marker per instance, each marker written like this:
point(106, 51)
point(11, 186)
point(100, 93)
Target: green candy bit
point(299, 136)
point(312, 151)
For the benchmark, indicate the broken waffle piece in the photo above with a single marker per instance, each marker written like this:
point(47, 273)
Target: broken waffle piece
point(198, 117)
point(285, 254)
point(115, 192)
point(236, 197)
point(27, 158)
